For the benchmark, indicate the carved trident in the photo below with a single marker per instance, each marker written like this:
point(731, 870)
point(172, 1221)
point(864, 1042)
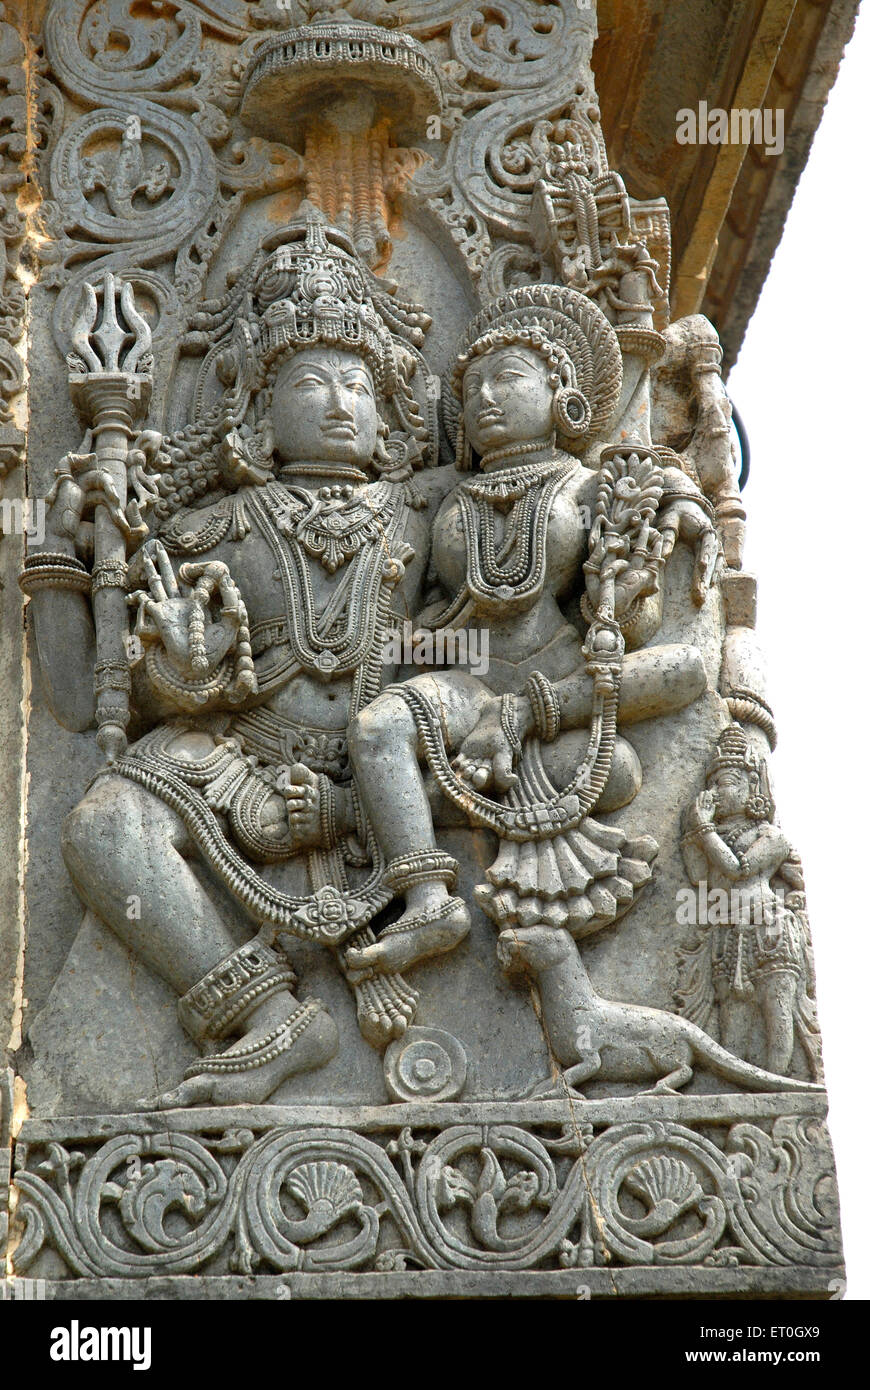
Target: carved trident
point(110, 382)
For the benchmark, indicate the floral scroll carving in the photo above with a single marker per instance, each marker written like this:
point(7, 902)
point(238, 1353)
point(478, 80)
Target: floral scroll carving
point(481, 1196)
point(168, 96)
point(14, 96)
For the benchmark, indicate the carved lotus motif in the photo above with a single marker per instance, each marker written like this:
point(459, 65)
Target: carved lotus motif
point(329, 916)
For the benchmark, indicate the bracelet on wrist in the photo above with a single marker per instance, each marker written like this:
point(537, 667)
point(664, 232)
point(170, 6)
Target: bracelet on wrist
point(544, 705)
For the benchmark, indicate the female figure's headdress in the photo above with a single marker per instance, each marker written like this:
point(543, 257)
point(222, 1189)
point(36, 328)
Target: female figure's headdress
point(572, 335)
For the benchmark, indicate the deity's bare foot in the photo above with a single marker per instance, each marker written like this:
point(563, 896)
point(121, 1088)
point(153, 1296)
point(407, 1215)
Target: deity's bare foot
point(255, 1066)
point(386, 1005)
point(414, 937)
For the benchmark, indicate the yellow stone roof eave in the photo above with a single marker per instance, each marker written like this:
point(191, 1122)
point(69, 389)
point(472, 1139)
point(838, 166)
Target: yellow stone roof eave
point(693, 268)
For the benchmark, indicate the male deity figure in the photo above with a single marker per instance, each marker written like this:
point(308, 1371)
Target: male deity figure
point(264, 615)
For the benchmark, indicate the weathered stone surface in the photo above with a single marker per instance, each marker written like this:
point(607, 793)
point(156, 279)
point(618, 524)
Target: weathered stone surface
point(399, 713)
point(418, 1186)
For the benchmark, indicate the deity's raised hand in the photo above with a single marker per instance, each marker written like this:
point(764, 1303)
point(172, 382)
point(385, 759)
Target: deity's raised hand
point(177, 615)
point(685, 520)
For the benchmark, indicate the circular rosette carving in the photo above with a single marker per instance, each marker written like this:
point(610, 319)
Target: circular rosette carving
point(303, 1204)
point(100, 47)
point(481, 1192)
point(328, 915)
point(659, 1192)
point(425, 1064)
point(162, 1175)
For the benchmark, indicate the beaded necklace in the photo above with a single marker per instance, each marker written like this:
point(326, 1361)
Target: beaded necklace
point(531, 488)
point(490, 575)
point(342, 638)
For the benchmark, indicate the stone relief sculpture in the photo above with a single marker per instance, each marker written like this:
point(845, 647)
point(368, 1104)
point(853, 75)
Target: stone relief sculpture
point(12, 301)
point(760, 958)
point(631, 1043)
point(539, 365)
point(362, 337)
point(260, 648)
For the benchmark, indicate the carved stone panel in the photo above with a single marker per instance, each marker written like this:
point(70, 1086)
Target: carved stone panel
point(397, 716)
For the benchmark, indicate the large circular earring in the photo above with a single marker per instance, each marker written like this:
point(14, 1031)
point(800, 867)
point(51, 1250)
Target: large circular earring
point(571, 412)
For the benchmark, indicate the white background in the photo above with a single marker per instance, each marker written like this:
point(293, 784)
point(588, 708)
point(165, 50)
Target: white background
point(801, 385)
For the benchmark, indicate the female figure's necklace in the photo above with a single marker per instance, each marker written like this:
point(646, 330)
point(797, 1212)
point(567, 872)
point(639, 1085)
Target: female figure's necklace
point(513, 570)
point(516, 451)
point(498, 485)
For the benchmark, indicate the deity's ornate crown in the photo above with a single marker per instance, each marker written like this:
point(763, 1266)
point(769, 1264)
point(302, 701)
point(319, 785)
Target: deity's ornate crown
point(305, 287)
point(543, 316)
point(310, 291)
point(732, 750)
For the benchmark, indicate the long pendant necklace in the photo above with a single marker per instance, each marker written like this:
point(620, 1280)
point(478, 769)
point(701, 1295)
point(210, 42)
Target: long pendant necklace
point(333, 648)
point(531, 488)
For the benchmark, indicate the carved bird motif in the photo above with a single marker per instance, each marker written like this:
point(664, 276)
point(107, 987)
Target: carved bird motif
point(150, 1195)
point(668, 1187)
point(328, 1192)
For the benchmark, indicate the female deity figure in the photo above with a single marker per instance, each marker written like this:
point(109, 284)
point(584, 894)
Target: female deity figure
point(263, 615)
point(539, 376)
point(756, 958)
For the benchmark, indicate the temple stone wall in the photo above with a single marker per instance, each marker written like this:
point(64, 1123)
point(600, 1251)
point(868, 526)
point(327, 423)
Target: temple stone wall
point(395, 898)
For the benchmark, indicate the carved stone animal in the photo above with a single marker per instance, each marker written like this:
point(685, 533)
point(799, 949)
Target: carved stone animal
point(595, 1037)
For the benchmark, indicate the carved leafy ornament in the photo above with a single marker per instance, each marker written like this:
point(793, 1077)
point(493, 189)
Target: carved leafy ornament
point(477, 1196)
